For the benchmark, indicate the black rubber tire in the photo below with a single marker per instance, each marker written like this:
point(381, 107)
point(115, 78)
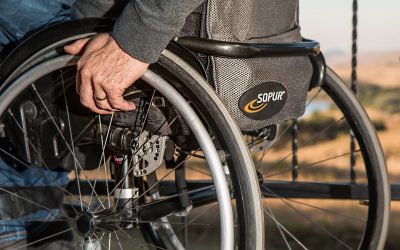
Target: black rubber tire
point(378, 186)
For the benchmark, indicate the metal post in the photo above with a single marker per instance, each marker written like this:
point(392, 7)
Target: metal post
point(354, 87)
point(295, 163)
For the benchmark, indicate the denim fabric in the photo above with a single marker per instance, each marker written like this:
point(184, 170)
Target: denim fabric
point(10, 176)
point(20, 17)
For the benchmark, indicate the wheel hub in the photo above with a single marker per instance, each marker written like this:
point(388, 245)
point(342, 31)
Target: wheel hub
point(85, 224)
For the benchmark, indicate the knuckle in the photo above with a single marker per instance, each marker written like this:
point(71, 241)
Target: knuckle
point(116, 105)
point(85, 73)
point(79, 64)
point(101, 105)
point(109, 88)
point(98, 78)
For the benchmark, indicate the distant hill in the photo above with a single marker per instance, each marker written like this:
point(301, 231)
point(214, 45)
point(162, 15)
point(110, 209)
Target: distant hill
point(377, 68)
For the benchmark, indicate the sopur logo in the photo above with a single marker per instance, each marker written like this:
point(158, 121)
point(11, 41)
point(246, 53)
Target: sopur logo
point(263, 101)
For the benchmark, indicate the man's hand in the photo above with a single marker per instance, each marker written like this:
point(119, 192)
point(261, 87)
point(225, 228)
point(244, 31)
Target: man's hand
point(104, 71)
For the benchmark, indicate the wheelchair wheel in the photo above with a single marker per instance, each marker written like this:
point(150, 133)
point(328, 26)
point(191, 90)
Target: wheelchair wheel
point(321, 192)
point(173, 174)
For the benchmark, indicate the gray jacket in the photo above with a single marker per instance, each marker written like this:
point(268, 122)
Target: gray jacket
point(143, 27)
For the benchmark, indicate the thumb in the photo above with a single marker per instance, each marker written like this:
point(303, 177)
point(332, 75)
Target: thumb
point(77, 47)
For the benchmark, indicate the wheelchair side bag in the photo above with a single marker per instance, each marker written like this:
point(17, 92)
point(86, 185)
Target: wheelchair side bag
point(258, 91)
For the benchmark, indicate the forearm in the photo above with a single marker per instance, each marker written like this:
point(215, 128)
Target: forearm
point(147, 26)
point(98, 8)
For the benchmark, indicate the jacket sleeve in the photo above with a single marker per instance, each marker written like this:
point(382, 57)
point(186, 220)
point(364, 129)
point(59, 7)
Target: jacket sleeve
point(145, 27)
point(98, 8)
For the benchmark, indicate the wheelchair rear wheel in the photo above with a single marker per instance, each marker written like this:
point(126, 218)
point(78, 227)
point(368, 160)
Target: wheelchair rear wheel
point(175, 169)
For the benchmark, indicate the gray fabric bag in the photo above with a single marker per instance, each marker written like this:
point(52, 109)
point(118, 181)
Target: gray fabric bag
point(258, 91)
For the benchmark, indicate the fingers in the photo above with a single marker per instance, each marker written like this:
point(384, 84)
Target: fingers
point(104, 71)
point(86, 94)
point(89, 90)
point(117, 101)
point(101, 98)
point(77, 47)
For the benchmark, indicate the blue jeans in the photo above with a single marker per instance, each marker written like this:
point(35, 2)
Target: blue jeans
point(18, 18)
point(30, 177)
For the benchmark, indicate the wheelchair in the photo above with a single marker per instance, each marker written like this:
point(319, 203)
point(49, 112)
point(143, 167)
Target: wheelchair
point(177, 173)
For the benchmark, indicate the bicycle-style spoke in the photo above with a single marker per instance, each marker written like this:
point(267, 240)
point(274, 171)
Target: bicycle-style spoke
point(313, 164)
point(199, 215)
point(104, 163)
point(25, 199)
point(199, 171)
point(279, 228)
point(328, 211)
point(28, 166)
point(99, 239)
point(42, 175)
point(65, 141)
point(76, 243)
point(286, 230)
point(174, 196)
point(44, 238)
point(127, 236)
point(55, 181)
point(213, 219)
point(30, 220)
point(71, 137)
point(119, 241)
point(324, 229)
point(124, 234)
point(102, 160)
point(91, 244)
point(308, 142)
point(109, 240)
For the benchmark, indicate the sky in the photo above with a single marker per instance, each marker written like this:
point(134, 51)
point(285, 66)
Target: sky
point(329, 22)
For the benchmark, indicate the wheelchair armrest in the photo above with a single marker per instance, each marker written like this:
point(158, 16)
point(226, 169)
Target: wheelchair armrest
point(248, 50)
